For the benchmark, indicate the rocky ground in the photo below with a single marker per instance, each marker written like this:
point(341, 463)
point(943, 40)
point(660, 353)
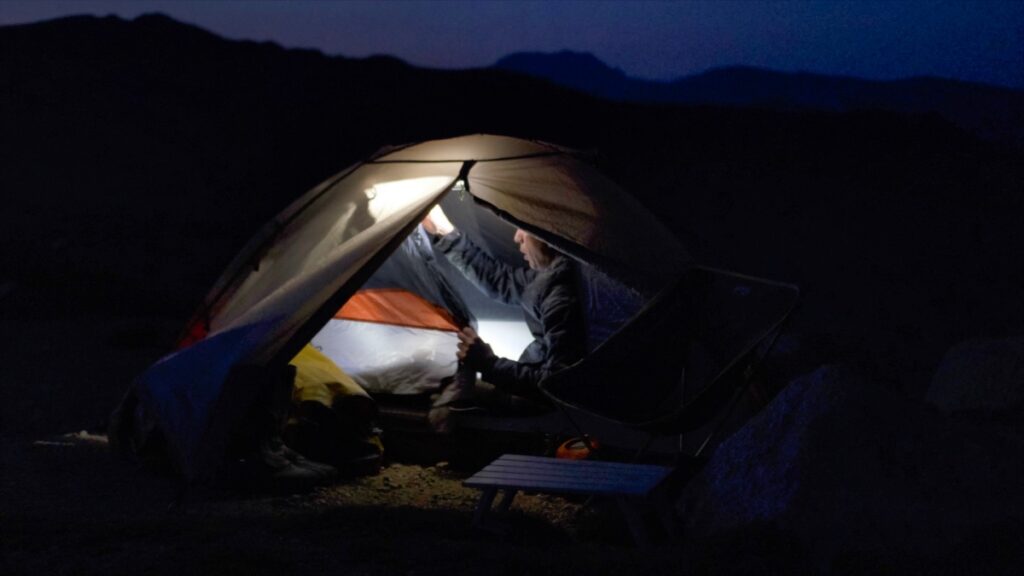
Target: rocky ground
point(69, 506)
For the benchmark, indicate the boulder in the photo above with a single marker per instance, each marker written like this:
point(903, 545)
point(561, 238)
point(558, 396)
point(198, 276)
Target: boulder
point(839, 470)
point(981, 376)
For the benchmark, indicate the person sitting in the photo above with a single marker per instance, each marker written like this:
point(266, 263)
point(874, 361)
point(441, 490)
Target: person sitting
point(544, 289)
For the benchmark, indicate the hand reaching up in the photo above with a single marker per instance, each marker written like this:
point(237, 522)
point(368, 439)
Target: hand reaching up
point(436, 223)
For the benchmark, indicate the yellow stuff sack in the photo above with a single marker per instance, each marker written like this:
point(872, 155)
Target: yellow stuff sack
point(331, 418)
point(318, 379)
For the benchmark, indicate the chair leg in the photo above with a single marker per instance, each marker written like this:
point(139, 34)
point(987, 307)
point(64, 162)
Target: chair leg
point(726, 414)
point(666, 512)
point(643, 449)
point(634, 519)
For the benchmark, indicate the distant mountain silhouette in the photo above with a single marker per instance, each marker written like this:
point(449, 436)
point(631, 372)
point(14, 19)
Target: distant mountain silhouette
point(578, 70)
point(990, 111)
point(138, 156)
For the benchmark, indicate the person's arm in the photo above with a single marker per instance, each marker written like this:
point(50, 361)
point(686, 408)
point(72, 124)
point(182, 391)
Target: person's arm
point(563, 339)
point(493, 277)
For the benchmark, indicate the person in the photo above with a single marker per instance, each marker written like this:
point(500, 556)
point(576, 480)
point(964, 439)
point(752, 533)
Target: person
point(544, 289)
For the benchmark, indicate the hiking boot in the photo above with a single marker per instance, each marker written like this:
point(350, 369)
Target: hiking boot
point(362, 457)
point(440, 420)
point(461, 390)
point(302, 462)
point(286, 471)
point(293, 479)
point(458, 396)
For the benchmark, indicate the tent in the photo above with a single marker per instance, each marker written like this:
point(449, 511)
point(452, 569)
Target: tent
point(346, 262)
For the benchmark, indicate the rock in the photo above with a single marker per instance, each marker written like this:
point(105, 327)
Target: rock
point(837, 468)
point(985, 376)
point(797, 353)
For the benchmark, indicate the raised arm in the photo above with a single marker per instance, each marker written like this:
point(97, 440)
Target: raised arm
point(493, 277)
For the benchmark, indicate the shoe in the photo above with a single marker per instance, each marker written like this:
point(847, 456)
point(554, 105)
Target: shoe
point(302, 462)
point(293, 479)
point(362, 457)
point(287, 471)
point(460, 390)
point(440, 420)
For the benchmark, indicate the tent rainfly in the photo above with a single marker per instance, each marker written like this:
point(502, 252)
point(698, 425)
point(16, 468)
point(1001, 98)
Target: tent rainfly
point(346, 260)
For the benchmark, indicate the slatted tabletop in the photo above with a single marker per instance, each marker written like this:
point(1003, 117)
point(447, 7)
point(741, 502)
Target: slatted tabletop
point(551, 475)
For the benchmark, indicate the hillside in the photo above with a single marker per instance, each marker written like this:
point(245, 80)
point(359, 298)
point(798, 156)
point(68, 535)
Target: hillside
point(140, 155)
point(992, 112)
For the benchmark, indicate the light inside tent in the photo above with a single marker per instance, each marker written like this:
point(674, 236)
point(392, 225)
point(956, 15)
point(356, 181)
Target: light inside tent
point(387, 358)
point(386, 198)
point(396, 359)
point(508, 338)
point(385, 336)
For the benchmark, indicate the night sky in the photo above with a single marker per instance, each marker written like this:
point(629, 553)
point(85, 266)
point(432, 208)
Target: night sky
point(975, 40)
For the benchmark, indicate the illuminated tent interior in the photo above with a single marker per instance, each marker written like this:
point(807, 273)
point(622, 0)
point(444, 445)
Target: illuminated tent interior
point(397, 333)
point(347, 267)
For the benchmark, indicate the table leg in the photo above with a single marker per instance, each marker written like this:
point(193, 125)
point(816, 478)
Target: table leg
point(506, 499)
point(484, 505)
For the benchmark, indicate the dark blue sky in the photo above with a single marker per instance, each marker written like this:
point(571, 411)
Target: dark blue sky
point(977, 40)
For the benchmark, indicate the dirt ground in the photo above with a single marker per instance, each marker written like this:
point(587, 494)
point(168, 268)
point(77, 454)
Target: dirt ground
point(68, 505)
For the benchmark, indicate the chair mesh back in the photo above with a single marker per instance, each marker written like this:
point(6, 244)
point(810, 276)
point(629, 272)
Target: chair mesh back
point(675, 364)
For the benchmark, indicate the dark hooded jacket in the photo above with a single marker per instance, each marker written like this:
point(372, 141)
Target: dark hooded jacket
point(549, 302)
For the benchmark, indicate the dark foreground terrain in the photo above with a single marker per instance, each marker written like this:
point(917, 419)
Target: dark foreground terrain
point(69, 507)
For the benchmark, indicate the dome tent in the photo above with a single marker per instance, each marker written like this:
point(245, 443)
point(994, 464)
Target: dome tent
point(292, 278)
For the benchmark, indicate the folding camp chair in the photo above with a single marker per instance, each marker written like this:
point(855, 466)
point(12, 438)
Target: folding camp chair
point(679, 365)
point(684, 359)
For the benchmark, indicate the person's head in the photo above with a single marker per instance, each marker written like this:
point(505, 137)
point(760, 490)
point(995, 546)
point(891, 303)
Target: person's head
point(535, 251)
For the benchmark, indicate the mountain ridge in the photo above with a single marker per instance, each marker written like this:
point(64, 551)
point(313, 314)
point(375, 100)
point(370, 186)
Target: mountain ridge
point(525, 59)
point(992, 112)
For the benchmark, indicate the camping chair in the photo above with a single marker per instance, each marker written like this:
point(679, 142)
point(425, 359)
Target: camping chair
point(679, 365)
point(684, 359)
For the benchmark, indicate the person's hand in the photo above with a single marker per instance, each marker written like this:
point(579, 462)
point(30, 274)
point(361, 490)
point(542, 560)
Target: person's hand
point(436, 223)
point(474, 352)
